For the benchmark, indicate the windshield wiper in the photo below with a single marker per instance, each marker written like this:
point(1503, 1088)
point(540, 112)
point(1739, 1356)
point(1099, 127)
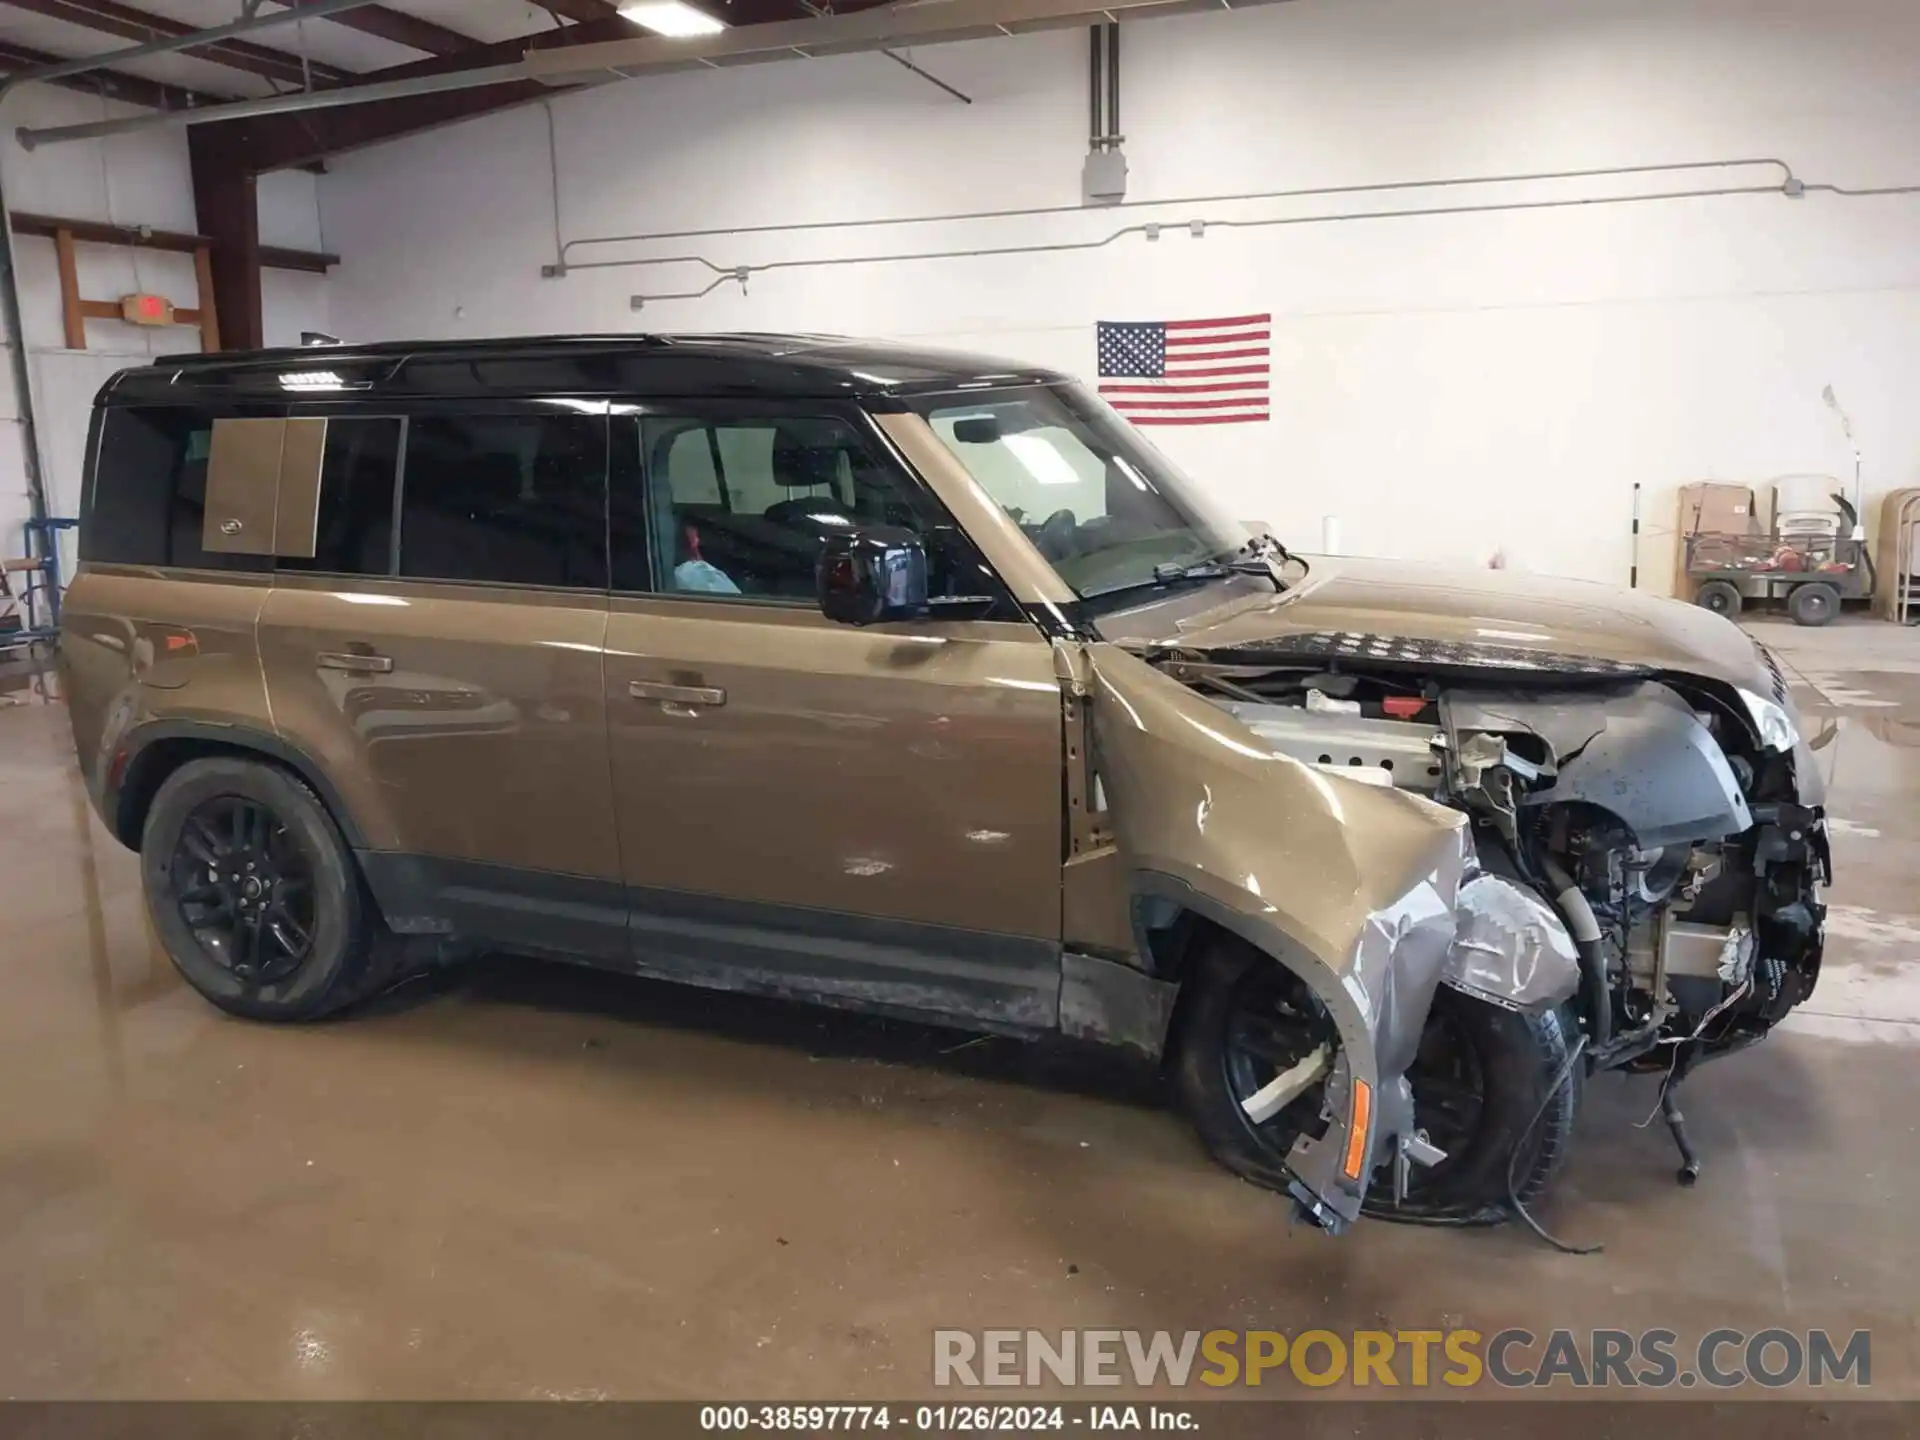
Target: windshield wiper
point(1262, 555)
point(1214, 570)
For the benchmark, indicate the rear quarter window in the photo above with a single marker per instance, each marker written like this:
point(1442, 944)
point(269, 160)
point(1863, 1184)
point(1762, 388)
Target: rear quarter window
point(147, 504)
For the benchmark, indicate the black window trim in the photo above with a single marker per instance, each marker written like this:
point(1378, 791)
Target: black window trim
point(212, 410)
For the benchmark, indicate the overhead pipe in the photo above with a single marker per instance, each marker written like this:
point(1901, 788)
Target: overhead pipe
point(1198, 227)
point(315, 10)
point(1096, 82)
point(293, 103)
point(1114, 136)
point(16, 339)
point(820, 12)
point(1788, 185)
point(882, 28)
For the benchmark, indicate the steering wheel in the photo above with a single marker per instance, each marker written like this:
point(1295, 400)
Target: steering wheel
point(1058, 536)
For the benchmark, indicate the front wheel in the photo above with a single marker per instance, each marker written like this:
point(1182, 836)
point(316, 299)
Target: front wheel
point(255, 895)
point(1493, 1089)
point(1484, 1087)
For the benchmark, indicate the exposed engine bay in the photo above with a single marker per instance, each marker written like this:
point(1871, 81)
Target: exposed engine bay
point(1659, 815)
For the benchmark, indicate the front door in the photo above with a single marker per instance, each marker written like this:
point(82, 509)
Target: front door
point(441, 656)
point(803, 807)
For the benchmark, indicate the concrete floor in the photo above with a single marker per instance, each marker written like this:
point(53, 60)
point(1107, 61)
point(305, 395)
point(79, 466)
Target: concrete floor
point(530, 1181)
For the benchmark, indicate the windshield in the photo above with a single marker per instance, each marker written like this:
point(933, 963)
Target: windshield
point(1105, 508)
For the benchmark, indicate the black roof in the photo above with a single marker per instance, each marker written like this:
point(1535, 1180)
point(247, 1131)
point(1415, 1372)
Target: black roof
point(795, 366)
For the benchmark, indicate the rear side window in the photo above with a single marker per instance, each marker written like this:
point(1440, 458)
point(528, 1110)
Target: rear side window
point(149, 499)
point(354, 535)
point(510, 499)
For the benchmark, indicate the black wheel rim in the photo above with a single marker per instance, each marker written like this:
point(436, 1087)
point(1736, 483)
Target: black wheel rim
point(245, 890)
point(1449, 1091)
point(1716, 601)
point(1274, 1023)
point(1813, 604)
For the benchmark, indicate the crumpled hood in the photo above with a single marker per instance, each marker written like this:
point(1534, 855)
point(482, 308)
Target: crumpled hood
point(1477, 607)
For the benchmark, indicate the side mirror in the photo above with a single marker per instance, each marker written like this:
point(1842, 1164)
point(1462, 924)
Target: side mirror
point(872, 575)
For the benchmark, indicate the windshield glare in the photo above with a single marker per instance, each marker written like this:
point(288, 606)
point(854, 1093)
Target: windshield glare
point(1104, 507)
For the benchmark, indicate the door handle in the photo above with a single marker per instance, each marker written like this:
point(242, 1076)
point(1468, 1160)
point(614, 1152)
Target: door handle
point(677, 694)
point(358, 664)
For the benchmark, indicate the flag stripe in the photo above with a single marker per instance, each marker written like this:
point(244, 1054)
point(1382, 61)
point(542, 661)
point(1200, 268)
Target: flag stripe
point(1212, 387)
point(1220, 324)
point(1238, 402)
point(1188, 357)
point(1199, 419)
point(1197, 372)
point(1225, 337)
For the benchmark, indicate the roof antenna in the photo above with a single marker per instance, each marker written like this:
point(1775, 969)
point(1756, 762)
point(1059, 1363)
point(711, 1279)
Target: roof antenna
point(318, 337)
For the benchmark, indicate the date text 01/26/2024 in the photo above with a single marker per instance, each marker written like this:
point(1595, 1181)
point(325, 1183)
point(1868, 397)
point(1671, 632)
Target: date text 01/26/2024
point(943, 1419)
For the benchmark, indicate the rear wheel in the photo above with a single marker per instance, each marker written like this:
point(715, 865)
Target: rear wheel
point(255, 895)
point(1719, 596)
point(1814, 603)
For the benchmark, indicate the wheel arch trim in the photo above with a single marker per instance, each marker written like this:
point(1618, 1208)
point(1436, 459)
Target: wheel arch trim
point(139, 749)
point(1328, 1195)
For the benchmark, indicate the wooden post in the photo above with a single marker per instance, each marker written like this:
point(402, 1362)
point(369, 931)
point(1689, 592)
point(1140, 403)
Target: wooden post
point(70, 311)
point(209, 311)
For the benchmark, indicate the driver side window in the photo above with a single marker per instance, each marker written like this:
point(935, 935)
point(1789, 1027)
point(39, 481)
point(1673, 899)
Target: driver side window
point(1034, 473)
point(739, 506)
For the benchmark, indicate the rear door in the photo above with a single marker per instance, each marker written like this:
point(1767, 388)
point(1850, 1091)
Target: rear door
point(873, 815)
point(441, 655)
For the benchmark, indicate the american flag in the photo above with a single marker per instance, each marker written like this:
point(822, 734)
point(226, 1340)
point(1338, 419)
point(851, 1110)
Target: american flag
point(1186, 372)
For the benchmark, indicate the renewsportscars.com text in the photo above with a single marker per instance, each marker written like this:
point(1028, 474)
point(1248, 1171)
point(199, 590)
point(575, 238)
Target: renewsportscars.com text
point(1593, 1359)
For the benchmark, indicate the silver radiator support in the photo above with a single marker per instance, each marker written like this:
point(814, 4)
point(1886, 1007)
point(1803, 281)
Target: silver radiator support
point(1407, 755)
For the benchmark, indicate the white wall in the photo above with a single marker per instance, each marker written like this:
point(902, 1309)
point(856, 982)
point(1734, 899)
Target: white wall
point(135, 179)
point(1447, 386)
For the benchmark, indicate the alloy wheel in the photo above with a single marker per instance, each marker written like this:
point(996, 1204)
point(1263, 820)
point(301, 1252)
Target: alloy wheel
point(245, 889)
point(1279, 1049)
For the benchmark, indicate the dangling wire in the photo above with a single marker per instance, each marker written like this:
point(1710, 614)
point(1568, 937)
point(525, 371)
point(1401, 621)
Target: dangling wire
point(1513, 1161)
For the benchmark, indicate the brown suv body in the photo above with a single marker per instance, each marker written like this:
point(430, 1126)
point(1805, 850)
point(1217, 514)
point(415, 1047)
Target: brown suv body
point(550, 711)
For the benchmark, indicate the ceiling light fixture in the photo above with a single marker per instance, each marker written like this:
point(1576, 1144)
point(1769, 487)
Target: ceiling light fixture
point(673, 18)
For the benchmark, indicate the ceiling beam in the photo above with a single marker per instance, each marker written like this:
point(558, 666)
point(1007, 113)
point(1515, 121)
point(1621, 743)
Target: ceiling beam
point(581, 11)
point(281, 142)
point(114, 84)
point(109, 17)
point(396, 26)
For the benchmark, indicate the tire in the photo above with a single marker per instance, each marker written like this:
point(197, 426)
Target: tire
point(1510, 1059)
point(1720, 596)
point(1516, 1056)
point(347, 957)
point(1813, 604)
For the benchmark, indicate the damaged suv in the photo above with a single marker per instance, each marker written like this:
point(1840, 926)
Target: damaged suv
point(918, 682)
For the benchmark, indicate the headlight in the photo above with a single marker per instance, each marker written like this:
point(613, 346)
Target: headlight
point(1775, 724)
